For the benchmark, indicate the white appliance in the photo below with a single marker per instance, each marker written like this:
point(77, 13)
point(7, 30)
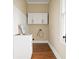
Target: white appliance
point(22, 46)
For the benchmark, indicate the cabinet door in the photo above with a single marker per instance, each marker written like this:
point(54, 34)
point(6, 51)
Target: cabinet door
point(28, 47)
point(20, 51)
point(37, 18)
point(44, 18)
point(30, 18)
point(22, 47)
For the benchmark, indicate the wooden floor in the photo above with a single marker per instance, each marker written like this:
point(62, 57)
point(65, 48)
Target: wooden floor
point(42, 51)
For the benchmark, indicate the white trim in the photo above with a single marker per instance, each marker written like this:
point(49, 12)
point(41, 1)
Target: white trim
point(40, 41)
point(54, 51)
point(37, 2)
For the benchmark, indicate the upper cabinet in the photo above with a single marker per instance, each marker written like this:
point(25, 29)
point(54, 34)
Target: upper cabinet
point(37, 18)
point(44, 18)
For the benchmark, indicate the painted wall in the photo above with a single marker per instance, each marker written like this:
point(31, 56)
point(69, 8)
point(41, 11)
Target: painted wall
point(19, 19)
point(25, 8)
point(37, 8)
point(21, 4)
point(43, 35)
point(54, 28)
point(34, 28)
point(19, 15)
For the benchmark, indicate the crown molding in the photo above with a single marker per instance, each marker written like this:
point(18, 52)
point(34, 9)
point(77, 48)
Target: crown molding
point(37, 2)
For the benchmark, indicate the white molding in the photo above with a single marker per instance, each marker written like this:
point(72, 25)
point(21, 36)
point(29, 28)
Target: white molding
point(54, 51)
point(37, 2)
point(46, 41)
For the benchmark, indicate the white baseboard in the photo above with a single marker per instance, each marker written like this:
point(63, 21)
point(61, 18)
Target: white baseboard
point(54, 51)
point(40, 41)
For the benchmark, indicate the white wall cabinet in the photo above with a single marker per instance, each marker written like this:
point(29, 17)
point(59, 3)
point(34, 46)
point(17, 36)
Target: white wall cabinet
point(44, 18)
point(22, 47)
point(37, 18)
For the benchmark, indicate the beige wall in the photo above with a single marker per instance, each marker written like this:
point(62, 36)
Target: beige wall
point(19, 12)
point(54, 26)
point(42, 35)
point(21, 4)
point(25, 8)
point(37, 8)
point(34, 28)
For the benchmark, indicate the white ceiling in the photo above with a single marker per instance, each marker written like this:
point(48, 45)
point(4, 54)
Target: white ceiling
point(37, 1)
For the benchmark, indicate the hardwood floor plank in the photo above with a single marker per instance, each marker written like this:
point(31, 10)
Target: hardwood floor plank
point(42, 51)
